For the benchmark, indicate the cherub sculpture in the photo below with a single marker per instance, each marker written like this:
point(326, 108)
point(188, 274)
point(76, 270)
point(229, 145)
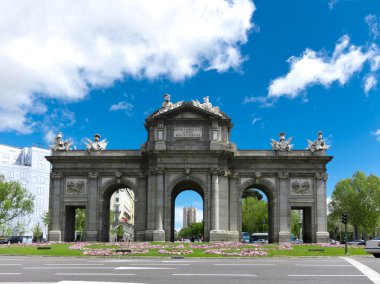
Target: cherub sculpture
point(318, 144)
point(96, 145)
point(59, 144)
point(282, 145)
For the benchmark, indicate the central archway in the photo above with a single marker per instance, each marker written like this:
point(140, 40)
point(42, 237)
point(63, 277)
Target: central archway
point(180, 187)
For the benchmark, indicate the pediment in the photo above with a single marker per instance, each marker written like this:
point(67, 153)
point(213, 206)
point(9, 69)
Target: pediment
point(187, 111)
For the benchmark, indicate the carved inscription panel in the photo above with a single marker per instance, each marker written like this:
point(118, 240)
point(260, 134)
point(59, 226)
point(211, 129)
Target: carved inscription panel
point(75, 186)
point(187, 132)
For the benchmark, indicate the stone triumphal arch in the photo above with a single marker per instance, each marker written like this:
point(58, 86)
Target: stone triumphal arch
point(188, 147)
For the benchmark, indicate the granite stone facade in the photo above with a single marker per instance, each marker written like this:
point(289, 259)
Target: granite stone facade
point(188, 147)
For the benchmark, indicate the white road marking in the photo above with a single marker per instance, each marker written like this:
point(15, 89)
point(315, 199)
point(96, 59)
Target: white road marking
point(244, 264)
point(173, 264)
point(9, 264)
point(96, 274)
point(9, 273)
point(213, 274)
point(118, 260)
point(93, 282)
point(322, 265)
point(326, 275)
point(142, 268)
point(179, 261)
point(75, 264)
point(370, 273)
point(71, 267)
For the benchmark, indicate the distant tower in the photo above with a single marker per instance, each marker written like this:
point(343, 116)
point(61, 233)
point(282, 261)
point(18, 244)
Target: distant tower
point(189, 216)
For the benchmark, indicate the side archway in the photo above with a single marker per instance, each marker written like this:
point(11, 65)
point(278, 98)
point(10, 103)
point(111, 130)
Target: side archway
point(107, 190)
point(269, 189)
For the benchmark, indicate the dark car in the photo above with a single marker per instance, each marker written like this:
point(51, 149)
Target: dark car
point(12, 240)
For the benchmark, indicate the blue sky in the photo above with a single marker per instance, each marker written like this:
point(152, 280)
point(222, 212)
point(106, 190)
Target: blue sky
point(272, 66)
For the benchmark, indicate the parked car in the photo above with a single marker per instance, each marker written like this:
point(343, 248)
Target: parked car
point(245, 237)
point(12, 240)
point(356, 242)
point(373, 246)
point(334, 242)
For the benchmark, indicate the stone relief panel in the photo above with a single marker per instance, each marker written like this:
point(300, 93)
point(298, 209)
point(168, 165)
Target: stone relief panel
point(300, 187)
point(75, 186)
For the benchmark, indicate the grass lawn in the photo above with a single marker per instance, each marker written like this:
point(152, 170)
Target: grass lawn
point(178, 249)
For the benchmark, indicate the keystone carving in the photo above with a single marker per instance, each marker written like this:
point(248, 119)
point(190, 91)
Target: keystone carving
point(93, 174)
point(321, 176)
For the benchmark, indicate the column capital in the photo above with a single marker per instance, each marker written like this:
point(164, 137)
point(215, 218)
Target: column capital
point(56, 175)
point(321, 176)
point(93, 174)
point(283, 174)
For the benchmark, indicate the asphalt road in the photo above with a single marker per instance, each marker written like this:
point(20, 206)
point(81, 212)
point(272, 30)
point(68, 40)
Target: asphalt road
point(166, 270)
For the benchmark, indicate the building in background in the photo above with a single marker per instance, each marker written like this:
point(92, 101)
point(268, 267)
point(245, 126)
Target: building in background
point(29, 167)
point(189, 216)
point(122, 204)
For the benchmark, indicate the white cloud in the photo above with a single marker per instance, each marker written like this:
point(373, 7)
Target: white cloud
point(369, 83)
point(332, 3)
point(262, 101)
point(377, 134)
point(55, 122)
point(315, 68)
point(255, 120)
point(127, 107)
point(373, 25)
point(62, 49)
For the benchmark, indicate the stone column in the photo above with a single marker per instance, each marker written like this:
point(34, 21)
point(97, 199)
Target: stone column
point(214, 200)
point(55, 208)
point(140, 208)
point(284, 209)
point(219, 210)
point(92, 210)
point(151, 205)
point(233, 207)
point(322, 236)
point(159, 233)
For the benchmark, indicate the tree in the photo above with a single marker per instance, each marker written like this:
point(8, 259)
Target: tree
point(46, 220)
point(192, 231)
point(37, 233)
point(359, 197)
point(295, 223)
point(15, 201)
point(254, 215)
point(80, 221)
point(252, 193)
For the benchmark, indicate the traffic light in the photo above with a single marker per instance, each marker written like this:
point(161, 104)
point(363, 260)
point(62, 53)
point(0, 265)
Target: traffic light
point(344, 218)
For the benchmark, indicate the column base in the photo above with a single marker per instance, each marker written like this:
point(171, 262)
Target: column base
point(91, 236)
point(284, 237)
point(323, 237)
point(158, 235)
point(140, 236)
point(220, 236)
point(54, 236)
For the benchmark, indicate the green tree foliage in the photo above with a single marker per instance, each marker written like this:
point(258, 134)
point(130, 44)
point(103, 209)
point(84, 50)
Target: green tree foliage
point(296, 221)
point(253, 193)
point(359, 196)
point(120, 233)
point(80, 219)
point(15, 201)
point(37, 233)
point(194, 230)
point(254, 215)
